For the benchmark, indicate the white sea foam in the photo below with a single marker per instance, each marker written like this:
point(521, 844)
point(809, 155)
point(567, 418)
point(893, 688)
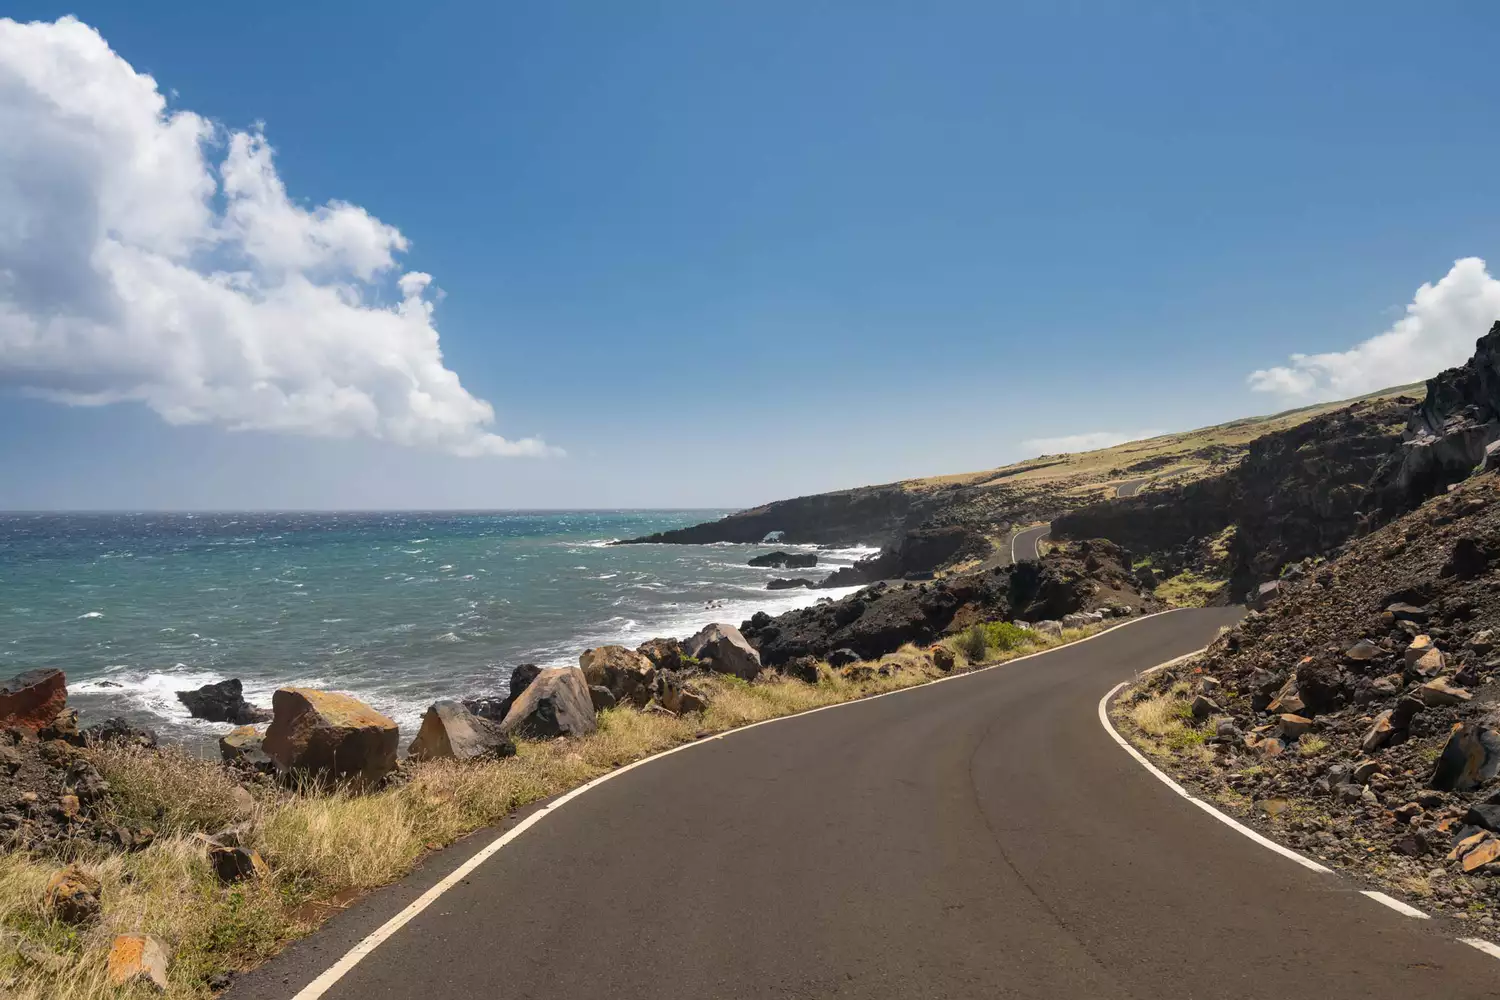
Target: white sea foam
point(91, 614)
point(154, 693)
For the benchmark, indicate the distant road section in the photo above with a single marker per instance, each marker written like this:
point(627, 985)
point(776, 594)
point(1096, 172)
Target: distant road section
point(1131, 488)
point(1023, 544)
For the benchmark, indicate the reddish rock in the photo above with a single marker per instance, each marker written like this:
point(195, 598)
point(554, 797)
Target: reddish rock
point(330, 736)
point(72, 895)
point(137, 959)
point(33, 699)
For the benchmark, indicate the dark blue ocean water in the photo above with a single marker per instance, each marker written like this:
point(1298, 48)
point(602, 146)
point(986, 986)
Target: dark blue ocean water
point(396, 608)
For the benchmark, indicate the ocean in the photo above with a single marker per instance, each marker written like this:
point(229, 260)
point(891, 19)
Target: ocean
point(397, 609)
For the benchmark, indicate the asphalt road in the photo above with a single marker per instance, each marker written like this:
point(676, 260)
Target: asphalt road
point(978, 838)
point(1131, 488)
point(1023, 544)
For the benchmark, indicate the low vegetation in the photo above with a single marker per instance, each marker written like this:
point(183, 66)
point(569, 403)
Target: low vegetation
point(324, 848)
point(1189, 590)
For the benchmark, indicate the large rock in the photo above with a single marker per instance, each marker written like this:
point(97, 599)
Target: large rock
point(33, 699)
point(722, 649)
point(495, 709)
point(785, 560)
point(451, 732)
point(1469, 758)
point(783, 584)
point(556, 703)
point(665, 654)
point(330, 735)
point(1440, 691)
point(72, 895)
point(245, 746)
point(233, 863)
point(222, 702)
point(136, 960)
point(803, 668)
point(629, 675)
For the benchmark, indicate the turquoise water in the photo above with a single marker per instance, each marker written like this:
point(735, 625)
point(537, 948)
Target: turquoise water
point(398, 609)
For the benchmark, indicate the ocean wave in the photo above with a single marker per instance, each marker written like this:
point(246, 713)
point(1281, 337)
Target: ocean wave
point(91, 614)
point(151, 693)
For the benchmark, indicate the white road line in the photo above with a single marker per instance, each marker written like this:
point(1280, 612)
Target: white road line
point(1395, 904)
point(1234, 824)
point(1489, 949)
point(326, 980)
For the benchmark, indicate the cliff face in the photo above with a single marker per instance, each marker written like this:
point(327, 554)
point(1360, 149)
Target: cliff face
point(872, 515)
point(1297, 493)
point(1447, 434)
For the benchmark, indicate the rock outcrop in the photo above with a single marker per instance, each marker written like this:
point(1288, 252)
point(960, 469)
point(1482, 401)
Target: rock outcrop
point(137, 960)
point(330, 736)
point(785, 560)
point(33, 699)
point(627, 674)
point(556, 703)
point(223, 702)
point(1298, 493)
point(781, 583)
point(723, 649)
point(449, 731)
point(1448, 435)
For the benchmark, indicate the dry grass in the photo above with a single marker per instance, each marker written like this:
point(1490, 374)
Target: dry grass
point(1189, 590)
point(325, 847)
point(1179, 448)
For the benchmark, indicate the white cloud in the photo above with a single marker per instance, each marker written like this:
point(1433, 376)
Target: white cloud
point(1438, 331)
point(148, 255)
point(1088, 441)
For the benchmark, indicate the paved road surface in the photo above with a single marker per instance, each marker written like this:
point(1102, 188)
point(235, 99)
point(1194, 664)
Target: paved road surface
point(1023, 544)
point(978, 838)
point(1131, 488)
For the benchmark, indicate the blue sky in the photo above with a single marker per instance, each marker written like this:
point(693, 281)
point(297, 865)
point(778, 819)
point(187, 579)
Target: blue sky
point(720, 254)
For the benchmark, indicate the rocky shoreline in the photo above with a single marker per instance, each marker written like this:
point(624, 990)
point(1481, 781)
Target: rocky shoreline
point(73, 797)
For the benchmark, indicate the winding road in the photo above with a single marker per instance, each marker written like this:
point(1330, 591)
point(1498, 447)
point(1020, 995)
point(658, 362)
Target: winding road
point(979, 837)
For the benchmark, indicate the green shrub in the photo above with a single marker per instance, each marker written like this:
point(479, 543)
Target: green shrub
point(978, 642)
point(1005, 636)
point(972, 643)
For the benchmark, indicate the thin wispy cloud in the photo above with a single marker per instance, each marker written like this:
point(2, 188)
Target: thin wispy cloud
point(148, 255)
point(1437, 331)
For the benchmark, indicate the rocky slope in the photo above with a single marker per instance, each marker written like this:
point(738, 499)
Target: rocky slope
point(1360, 708)
point(1306, 490)
point(881, 618)
point(928, 526)
point(1296, 493)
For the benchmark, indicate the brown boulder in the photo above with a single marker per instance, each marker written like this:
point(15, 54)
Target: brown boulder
point(803, 668)
point(557, 703)
point(330, 735)
point(725, 651)
point(33, 699)
point(137, 959)
point(1379, 734)
point(942, 658)
point(450, 731)
point(1469, 758)
point(628, 675)
point(1287, 700)
point(72, 895)
point(1440, 691)
point(664, 654)
point(235, 864)
point(1293, 726)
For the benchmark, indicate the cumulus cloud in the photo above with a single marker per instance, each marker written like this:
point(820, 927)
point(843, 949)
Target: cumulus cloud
point(148, 255)
point(1088, 441)
point(1438, 331)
